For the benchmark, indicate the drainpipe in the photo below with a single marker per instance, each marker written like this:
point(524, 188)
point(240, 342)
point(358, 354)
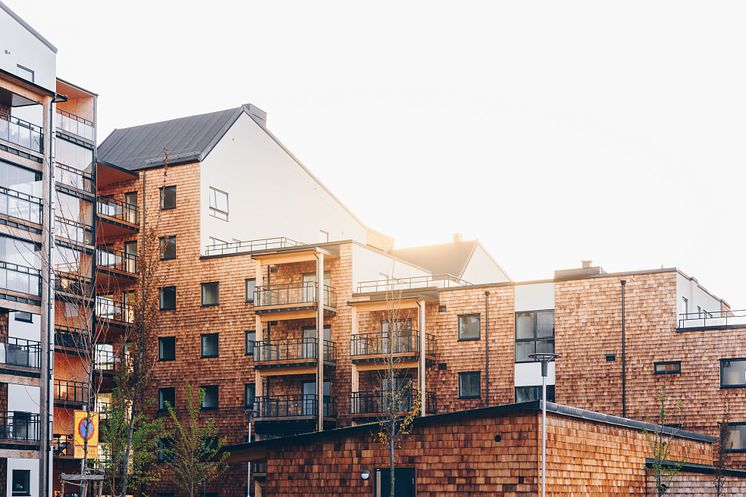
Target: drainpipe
point(624, 351)
point(487, 348)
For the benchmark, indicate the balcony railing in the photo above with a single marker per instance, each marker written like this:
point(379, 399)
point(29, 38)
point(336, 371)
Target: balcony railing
point(73, 177)
point(73, 284)
point(114, 310)
point(21, 352)
point(293, 406)
point(73, 231)
point(300, 294)
point(62, 445)
point(21, 279)
point(19, 426)
point(380, 402)
point(68, 391)
point(250, 246)
point(293, 349)
point(381, 343)
point(712, 319)
point(20, 205)
point(398, 284)
point(121, 211)
point(108, 361)
point(117, 260)
point(71, 338)
point(74, 124)
point(20, 132)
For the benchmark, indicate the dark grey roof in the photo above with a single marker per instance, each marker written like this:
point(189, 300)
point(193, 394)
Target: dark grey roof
point(28, 27)
point(443, 258)
point(187, 139)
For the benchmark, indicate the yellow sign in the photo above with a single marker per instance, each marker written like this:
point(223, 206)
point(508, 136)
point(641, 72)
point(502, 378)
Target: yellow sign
point(85, 432)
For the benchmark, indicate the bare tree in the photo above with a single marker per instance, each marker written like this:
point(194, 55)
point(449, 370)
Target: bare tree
point(661, 444)
point(724, 445)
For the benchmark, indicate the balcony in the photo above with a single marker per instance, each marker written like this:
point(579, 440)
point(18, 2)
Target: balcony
point(21, 357)
point(19, 430)
point(374, 403)
point(250, 246)
point(411, 283)
point(20, 279)
point(116, 268)
point(72, 286)
point(107, 362)
point(301, 296)
point(114, 312)
point(20, 206)
point(292, 353)
point(74, 178)
point(69, 340)
point(20, 132)
point(379, 346)
point(68, 393)
point(72, 124)
point(73, 231)
point(62, 446)
point(285, 414)
point(716, 319)
point(117, 218)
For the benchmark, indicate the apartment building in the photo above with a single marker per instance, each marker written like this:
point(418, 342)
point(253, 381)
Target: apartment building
point(280, 305)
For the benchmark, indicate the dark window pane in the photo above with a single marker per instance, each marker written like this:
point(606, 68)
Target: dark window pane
point(250, 287)
point(210, 345)
point(250, 393)
point(168, 247)
point(168, 298)
point(250, 339)
point(168, 197)
point(545, 324)
point(523, 349)
point(669, 367)
point(524, 325)
point(210, 397)
point(165, 451)
point(736, 440)
point(209, 294)
point(468, 327)
point(733, 372)
point(545, 346)
point(528, 394)
point(166, 396)
point(167, 349)
point(469, 385)
point(21, 482)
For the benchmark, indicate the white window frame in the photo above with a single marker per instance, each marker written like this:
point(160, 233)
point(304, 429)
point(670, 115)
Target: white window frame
point(217, 211)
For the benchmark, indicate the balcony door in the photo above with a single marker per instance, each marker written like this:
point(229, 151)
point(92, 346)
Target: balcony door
point(308, 398)
point(401, 395)
point(400, 333)
point(309, 344)
point(130, 254)
point(405, 482)
point(130, 207)
point(309, 285)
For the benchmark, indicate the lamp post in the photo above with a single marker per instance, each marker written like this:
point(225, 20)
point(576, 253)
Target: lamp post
point(249, 414)
point(544, 358)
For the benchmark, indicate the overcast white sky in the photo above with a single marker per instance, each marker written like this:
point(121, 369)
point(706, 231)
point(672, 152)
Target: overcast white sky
point(551, 131)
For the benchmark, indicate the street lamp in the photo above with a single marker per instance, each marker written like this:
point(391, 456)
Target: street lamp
point(544, 358)
point(249, 414)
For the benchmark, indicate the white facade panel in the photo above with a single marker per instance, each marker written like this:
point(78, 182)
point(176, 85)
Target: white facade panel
point(31, 465)
point(534, 297)
point(23, 398)
point(269, 193)
point(528, 374)
point(482, 269)
point(18, 46)
point(23, 329)
point(696, 297)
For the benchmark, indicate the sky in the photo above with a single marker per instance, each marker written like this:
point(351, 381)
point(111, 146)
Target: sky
point(550, 131)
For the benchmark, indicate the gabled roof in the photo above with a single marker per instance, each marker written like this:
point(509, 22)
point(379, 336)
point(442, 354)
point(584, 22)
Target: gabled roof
point(443, 258)
point(28, 27)
point(187, 139)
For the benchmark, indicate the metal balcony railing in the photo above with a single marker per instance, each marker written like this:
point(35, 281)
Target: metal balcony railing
point(20, 205)
point(73, 231)
point(293, 406)
point(116, 259)
point(73, 284)
point(73, 177)
point(121, 211)
point(114, 310)
point(251, 245)
point(62, 445)
point(72, 338)
point(397, 284)
point(20, 132)
point(108, 361)
point(70, 391)
point(74, 124)
point(380, 401)
point(293, 349)
point(19, 278)
point(293, 295)
point(397, 342)
point(713, 319)
point(21, 352)
point(19, 426)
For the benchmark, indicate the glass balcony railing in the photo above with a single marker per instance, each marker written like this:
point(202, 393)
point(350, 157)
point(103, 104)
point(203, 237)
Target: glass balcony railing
point(74, 178)
point(19, 278)
point(21, 352)
point(20, 205)
point(117, 260)
point(20, 132)
point(76, 232)
point(73, 124)
point(122, 211)
point(114, 310)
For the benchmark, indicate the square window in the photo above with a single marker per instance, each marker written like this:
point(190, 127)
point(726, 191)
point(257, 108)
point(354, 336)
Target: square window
point(735, 439)
point(167, 298)
point(534, 333)
point(209, 397)
point(469, 385)
point(25, 317)
point(168, 248)
point(250, 287)
point(250, 341)
point(210, 294)
point(732, 373)
point(166, 397)
point(249, 393)
point(165, 451)
point(210, 345)
point(218, 203)
point(168, 198)
point(667, 367)
point(167, 348)
point(469, 327)
point(528, 394)
point(21, 482)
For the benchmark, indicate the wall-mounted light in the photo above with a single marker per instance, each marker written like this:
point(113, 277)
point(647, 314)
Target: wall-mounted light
point(498, 438)
point(364, 474)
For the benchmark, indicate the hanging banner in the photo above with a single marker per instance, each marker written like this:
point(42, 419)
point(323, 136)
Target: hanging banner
point(85, 429)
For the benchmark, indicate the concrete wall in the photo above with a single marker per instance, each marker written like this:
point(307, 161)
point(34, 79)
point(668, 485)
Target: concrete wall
point(270, 195)
point(19, 46)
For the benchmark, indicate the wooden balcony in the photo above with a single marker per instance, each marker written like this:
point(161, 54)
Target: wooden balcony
point(115, 268)
point(116, 219)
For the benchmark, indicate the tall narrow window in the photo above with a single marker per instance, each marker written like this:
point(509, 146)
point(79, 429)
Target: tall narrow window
point(218, 204)
point(21, 482)
point(250, 340)
point(210, 397)
point(250, 287)
point(166, 397)
point(210, 294)
point(210, 345)
point(167, 298)
point(168, 198)
point(534, 333)
point(249, 394)
point(167, 348)
point(469, 385)
point(168, 247)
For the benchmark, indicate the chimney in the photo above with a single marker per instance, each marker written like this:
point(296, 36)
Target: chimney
point(457, 238)
point(586, 270)
point(585, 264)
point(258, 114)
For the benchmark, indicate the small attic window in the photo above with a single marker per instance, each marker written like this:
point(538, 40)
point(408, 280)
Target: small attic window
point(218, 204)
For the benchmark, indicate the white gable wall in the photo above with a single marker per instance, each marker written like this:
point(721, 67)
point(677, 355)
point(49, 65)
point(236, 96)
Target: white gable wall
point(370, 264)
point(19, 46)
point(482, 269)
point(270, 195)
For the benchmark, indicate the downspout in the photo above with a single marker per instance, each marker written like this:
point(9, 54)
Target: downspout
point(487, 348)
point(624, 351)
